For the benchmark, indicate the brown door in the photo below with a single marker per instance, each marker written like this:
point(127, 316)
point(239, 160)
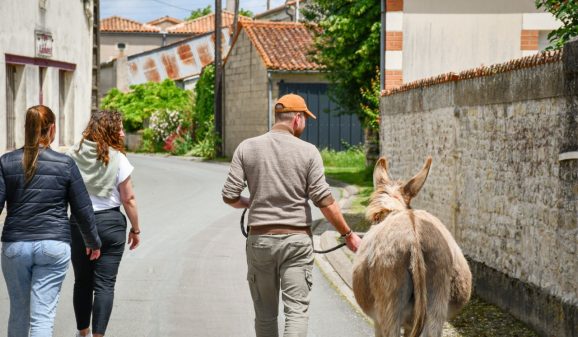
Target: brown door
point(10, 115)
point(61, 107)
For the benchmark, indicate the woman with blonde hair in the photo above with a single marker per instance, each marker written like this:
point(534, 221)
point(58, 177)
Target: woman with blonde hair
point(37, 185)
point(106, 172)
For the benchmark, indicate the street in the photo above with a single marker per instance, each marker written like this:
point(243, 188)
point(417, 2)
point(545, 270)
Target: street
point(188, 277)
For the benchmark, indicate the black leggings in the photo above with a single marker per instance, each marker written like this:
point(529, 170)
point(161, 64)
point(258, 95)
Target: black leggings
point(94, 280)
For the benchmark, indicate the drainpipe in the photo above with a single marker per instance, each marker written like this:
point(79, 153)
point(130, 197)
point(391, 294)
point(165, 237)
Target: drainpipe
point(269, 100)
point(297, 10)
point(382, 49)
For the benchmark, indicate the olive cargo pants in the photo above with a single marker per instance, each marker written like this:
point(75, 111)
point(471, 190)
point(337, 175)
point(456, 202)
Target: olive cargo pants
point(280, 262)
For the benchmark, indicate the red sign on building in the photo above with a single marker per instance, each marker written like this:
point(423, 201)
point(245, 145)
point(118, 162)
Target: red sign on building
point(43, 44)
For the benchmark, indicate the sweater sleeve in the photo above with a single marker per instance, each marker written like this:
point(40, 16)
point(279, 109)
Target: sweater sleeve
point(318, 189)
point(81, 208)
point(235, 182)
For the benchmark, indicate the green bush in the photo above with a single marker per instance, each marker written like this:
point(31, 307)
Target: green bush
point(207, 147)
point(182, 144)
point(205, 103)
point(138, 104)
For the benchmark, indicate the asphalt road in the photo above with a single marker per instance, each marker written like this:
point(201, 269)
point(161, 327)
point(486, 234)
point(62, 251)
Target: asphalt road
point(188, 277)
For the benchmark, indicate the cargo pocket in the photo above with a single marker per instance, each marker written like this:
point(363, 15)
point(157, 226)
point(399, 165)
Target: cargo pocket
point(252, 279)
point(12, 249)
point(309, 279)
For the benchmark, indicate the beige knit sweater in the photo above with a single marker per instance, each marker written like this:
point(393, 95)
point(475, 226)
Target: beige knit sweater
point(282, 173)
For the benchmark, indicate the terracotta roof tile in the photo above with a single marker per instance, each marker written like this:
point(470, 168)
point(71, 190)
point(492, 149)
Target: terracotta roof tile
point(282, 45)
point(118, 24)
point(515, 64)
point(204, 24)
point(165, 19)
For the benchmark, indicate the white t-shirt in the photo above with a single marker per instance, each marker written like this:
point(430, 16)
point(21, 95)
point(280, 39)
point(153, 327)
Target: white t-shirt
point(124, 171)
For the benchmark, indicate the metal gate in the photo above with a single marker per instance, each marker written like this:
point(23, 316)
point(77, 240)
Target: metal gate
point(10, 115)
point(332, 129)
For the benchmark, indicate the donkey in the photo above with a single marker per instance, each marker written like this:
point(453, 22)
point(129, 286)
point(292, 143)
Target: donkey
point(409, 271)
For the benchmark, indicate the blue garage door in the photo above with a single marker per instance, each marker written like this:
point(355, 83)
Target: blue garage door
point(333, 129)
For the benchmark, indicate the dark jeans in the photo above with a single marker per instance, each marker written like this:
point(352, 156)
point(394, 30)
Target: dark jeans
point(94, 280)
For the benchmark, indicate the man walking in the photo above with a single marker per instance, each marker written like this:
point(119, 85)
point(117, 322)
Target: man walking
point(282, 173)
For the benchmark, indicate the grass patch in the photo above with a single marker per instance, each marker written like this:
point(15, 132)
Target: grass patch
point(349, 167)
point(352, 157)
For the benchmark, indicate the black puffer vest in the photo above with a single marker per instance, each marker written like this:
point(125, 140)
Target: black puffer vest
point(38, 211)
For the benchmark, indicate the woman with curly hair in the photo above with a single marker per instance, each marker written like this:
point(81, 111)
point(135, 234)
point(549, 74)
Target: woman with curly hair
point(106, 171)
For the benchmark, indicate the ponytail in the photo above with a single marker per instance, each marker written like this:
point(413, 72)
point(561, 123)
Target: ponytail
point(39, 118)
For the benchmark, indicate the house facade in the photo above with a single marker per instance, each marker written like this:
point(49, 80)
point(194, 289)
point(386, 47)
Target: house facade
point(45, 62)
point(287, 12)
point(267, 60)
point(427, 38)
point(121, 37)
point(126, 37)
point(181, 62)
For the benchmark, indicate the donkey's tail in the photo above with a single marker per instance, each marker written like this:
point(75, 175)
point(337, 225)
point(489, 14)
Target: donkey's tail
point(418, 271)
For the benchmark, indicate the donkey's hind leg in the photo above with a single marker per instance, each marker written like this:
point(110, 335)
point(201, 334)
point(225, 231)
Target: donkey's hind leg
point(436, 312)
point(393, 303)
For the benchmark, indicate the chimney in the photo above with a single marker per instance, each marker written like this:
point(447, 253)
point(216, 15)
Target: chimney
point(230, 6)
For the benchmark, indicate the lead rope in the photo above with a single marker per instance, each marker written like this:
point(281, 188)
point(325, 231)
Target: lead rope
point(245, 234)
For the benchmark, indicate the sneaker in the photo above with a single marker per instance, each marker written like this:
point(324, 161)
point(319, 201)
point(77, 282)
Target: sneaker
point(87, 335)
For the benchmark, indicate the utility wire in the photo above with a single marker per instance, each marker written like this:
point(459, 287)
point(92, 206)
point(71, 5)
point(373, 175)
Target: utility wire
point(171, 5)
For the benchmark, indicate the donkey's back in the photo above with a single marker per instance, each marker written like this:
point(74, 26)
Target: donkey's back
point(408, 267)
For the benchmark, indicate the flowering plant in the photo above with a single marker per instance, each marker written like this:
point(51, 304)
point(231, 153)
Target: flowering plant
point(163, 123)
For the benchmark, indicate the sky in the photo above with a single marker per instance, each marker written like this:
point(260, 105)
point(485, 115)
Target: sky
point(148, 10)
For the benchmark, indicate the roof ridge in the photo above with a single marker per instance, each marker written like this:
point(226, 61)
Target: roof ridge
point(274, 23)
point(166, 17)
point(122, 18)
point(203, 19)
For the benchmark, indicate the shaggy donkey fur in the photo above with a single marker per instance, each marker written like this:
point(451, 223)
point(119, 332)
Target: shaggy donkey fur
point(408, 272)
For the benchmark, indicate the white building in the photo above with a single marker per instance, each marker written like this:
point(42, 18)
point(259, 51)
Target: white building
point(426, 38)
point(46, 49)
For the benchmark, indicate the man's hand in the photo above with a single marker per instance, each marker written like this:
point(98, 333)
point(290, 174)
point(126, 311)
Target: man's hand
point(353, 241)
point(94, 253)
point(243, 202)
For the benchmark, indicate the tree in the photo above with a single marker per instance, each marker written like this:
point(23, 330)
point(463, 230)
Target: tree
point(245, 12)
point(197, 13)
point(347, 42)
point(567, 12)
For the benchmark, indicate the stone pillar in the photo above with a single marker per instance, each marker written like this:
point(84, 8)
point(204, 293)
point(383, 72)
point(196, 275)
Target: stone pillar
point(230, 6)
point(122, 73)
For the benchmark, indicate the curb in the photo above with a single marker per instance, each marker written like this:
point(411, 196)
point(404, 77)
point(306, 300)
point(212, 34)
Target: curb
point(336, 266)
point(187, 158)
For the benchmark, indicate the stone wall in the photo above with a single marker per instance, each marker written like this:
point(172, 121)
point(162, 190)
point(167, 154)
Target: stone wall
point(497, 182)
point(246, 91)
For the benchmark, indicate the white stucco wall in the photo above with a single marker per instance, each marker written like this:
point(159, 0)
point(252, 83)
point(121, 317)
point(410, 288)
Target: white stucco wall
point(438, 43)
point(72, 43)
point(135, 43)
point(454, 35)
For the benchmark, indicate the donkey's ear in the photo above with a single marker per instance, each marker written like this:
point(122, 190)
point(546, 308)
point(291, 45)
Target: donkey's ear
point(380, 176)
point(414, 185)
